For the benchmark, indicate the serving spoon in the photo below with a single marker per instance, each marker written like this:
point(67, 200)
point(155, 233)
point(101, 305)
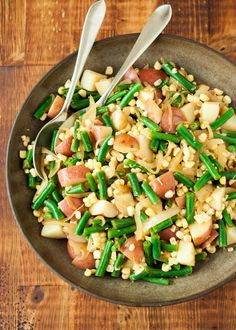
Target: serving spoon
point(92, 24)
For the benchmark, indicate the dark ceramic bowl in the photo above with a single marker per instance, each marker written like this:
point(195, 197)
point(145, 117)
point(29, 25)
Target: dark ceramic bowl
point(208, 67)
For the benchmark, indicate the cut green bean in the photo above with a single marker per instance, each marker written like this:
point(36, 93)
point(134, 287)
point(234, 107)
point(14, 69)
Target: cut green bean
point(82, 223)
point(128, 97)
point(215, 162)
point(231, 175)
point(188, 137)
point(101, 269)
point(77, 189)
point(31, 181)
point(95, 229)
point(209, 165)
point(86, 141)
point(104, 149)
point(176, 267)
point(121, 223)
point(232, 148)
point(84, 103)
point(152, 196)
point(120, 232)
point(102, 185)
point(163, 225)
point(171, 71)
point(28, 161)
point(147, 248)
point(140, 275)
point(163, 146)
point(202, 181)
point(184, 179)
point(70, 161)
point(116, 96)
point(228, 133)
point(107, 121)
point(53, 141)
point(190, 207)
point(168, 247)
point(156, 246)
point(154, 145)
point(161, 281)
point(225, 138)
point(201, 256)
point(137, 191)
point(163, 83)
point(231, 196)
point(122, 87)
point(117, 265)
point(143, 216)
point(194, 126)
point(92, 184)
point(75, 143)
point(132, 164)
point(165, 136)
point(56, 196)
point(48, 216)
point(41, 198)
point(101, 110)
point(118, 243)
point(150, 124)
point(223, 119)
point(222, 234)
point(56, 212)
point(171, 273)
point(44, 107)
point(227, 218)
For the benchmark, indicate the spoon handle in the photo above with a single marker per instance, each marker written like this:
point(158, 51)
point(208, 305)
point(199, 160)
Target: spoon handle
point(92, 24)
point(154, 26)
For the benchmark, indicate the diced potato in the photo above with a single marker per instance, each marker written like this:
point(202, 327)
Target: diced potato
point(105, 208)
point(53, 230)
point(230, 125)
point(217, 198)
point(145, 95)
point(186, 253)
point(210, 111)
point(102, 85)
point(89, 79)
point(188, 112)
point(231, 235)
point(200, 231)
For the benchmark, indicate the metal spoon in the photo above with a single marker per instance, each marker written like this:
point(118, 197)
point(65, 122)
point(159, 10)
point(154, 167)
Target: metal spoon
point(154, 26)
point(92, 24)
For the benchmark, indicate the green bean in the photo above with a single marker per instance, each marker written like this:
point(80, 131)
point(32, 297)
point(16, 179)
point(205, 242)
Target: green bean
point(161, 281)
point(44, 107)
point(56, 196)
point(168, 203)
point(128, 97)
point(176, 267)
point(143, 216)
point(231, 196)
point(28, 161)
point(154, 199)
point(176, 102)
point(77, 189)
point(101, 110)
point(120, 232)
point(31, 181)
point(75, 143)
point(171, 273)
point(225, 138)
point(202, 181)
point(168, 247)
point(222, 234)
point(223, 119)
point(104, 150)
point(122, 87)
point(76, 98)
point(82, 223)
point(216, 163)
point(118, 243)
point(107, 121)
point(53, 141)
point(165, 136)
point(163, 146)
point(188, 137)
point(121, 223)
point(163, 225)
point(154, 145)
point(48, 216)
point(147, 248)
point(163, 83)
point(117, 265)
point(132, 164)
point(137, 191)
point(230, 134)
point(86, 141)
point(201, 256)
point(190, 206)
point(95, 229)
point(56, 212)
point(140, 275)
point(102, 185)
point(195, 125)
point(41, 198)
point(116, 96)
point(184, 179)
point(209, 165)
point(84, 103)
point(70, 161)
point(232, 148)
point(150, 124)
point(97, 222)
point(91, 182)
point(156, 246)
point(229, 175)
point(169, 69)
point(227, 218)
point(101, 269)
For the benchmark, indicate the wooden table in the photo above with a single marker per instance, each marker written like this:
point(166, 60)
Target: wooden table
point(34, 35)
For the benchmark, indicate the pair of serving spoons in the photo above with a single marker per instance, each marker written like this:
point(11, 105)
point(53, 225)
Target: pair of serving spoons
point(93, 21)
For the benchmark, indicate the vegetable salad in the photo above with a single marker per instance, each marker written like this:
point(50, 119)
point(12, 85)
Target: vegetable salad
point(143, 187)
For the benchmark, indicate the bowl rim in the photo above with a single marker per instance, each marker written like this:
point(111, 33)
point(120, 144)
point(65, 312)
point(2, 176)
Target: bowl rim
point(28, 239)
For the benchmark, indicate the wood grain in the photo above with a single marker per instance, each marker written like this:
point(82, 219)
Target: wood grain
point(34, 35)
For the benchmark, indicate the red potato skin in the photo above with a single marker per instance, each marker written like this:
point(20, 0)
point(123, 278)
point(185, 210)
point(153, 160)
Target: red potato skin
point(100, 133)
point(170, 119)
point(214, 234)
point(125, 143)
point(82, 259)
point(56, 107)
point(64, 147)
point(166, 234)
point(181, 202)
point(151, 75)
point(151, 113)
point(158, 95)
point(72, 175)
point(137, 255)
point(131, 74)
point(163, 183)
point(69, 204)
